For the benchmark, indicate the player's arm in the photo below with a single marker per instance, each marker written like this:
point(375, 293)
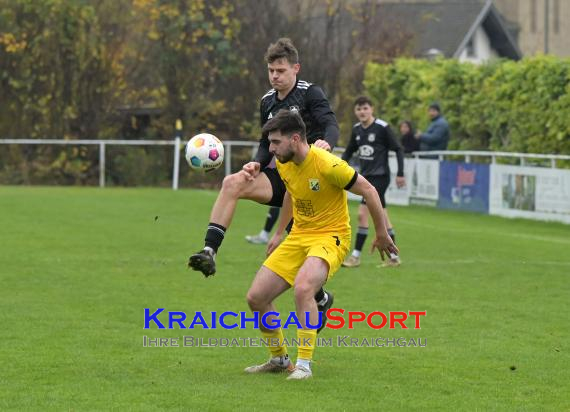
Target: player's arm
point(396, 147)
point(261, 160)
point(340, 174)
point(320, 108)
point(350, 148)
point(383, 242)
point(284, 218)
point(434, 134)
point(263, 156)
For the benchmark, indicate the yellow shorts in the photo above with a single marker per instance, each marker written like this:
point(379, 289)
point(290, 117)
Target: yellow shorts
point(288, 258)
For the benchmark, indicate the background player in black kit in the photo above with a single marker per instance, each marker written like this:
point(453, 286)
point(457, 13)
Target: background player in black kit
point(373, 139)
point(255, 181)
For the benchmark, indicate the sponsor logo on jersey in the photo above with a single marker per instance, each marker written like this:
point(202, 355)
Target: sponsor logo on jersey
point(314, 185)
point(366, 151)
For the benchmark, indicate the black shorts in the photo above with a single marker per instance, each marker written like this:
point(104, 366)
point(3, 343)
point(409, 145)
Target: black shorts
point(381, 184)
point(277, 186)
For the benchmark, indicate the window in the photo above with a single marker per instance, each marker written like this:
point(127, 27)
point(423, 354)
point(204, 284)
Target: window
point(470, 48)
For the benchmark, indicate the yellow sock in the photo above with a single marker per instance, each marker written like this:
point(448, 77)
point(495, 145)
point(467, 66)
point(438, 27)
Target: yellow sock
point(276, 345)
point(308, 336)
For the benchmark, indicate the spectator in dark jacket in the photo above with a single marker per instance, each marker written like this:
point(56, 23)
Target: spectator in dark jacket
point(407, 138)
point(437, 135)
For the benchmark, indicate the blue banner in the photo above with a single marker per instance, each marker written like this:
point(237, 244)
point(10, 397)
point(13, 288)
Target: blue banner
point(464, 186)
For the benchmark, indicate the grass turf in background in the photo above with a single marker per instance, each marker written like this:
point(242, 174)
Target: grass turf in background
point(79, 265)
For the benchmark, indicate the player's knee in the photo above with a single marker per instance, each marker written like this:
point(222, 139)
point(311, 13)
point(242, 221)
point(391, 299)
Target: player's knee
point(303, 290)
point(254, 300)
point(233, 184)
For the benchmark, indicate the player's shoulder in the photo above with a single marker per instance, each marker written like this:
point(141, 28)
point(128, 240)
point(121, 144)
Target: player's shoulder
point(381, 122)
point(269, 94)
point(310, 90)
point(322, 153)
point(356, 125)
point(303, 85)
point(330, 166)
point(325, 159)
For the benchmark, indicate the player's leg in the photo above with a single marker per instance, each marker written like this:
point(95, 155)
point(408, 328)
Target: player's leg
point(391, 230)
point(234, 187)
point(310, 278)
point(354, 259)
point(382, 185)
point(266, 286)
point(272, 217)
point(324, 298)
point(394, 258)
point(263, 236)
point(267, 188)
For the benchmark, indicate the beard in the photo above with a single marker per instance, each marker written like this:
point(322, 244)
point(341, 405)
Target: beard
point(286, 157)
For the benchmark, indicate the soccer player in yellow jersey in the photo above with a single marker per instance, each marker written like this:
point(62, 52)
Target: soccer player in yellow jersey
point(316, 181)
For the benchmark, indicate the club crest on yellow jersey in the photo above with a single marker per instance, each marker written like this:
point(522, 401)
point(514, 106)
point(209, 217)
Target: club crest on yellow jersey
point(314, 185)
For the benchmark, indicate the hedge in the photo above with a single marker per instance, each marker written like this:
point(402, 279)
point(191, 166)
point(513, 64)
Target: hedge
point(501, 106)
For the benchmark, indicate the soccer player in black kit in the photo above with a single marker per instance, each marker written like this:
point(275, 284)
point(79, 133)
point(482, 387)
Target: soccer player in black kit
point(373, 139)
point(257, 182)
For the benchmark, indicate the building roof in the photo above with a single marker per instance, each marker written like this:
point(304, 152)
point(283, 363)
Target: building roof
point(447, 25)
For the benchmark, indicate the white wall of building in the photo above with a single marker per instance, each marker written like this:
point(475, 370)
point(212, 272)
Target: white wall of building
point(482, 49)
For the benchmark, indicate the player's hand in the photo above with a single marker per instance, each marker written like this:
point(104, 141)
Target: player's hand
point(322, 144)
point(385, 245)
point(400, 181)
point(273, 243)
point(251, 170)
point(418, 134)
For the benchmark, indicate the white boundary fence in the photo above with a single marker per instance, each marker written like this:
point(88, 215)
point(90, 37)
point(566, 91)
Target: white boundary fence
point(228, 144)
point(177, 143)
point(469, 154)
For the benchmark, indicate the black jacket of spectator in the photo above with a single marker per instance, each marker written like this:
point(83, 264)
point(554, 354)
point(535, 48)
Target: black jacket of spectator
point(410, 143)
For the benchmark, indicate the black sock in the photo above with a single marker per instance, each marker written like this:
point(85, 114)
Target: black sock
point(361, 236)
point(392, 234)
point(320, 295)
point(272, 217)
point(214, 236)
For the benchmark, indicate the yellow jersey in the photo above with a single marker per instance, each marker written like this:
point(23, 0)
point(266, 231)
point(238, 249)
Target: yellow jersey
point(317, 188)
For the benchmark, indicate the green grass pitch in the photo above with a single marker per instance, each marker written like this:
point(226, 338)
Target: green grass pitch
point(79, 265)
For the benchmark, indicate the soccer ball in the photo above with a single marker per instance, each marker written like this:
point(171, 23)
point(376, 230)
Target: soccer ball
point(204, 152)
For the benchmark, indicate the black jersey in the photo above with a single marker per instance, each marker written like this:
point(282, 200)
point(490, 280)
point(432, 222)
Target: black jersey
point(373, 144)
point(314, 108)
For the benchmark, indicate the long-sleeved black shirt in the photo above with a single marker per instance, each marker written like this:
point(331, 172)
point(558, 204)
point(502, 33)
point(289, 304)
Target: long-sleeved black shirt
point(373, 144)
point(314, 108)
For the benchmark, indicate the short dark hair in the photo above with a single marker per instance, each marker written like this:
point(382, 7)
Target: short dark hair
point(435, 106)
point(362, 100)
point(283, 48)
point(286, 122)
